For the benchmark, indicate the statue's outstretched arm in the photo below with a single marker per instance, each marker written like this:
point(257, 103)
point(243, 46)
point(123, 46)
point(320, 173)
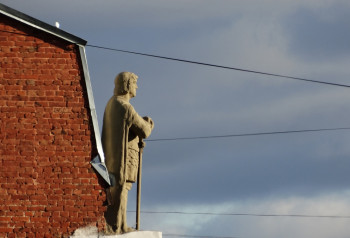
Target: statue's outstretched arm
point(142, 127)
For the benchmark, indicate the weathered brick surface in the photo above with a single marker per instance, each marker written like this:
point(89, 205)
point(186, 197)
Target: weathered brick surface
point(48, 187)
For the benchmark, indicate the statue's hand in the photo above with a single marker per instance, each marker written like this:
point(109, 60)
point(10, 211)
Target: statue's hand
point(150, 121)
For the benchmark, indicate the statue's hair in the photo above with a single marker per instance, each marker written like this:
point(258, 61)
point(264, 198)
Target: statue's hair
point(122, 81)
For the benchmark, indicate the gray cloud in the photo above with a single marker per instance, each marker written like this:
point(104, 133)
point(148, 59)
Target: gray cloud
point(321, 33)
point(234, 169)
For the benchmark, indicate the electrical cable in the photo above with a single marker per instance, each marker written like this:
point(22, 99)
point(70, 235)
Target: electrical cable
point(247, 214)
point(249, 134)
point(196, 236)
point(208, 64)
point(219, 66)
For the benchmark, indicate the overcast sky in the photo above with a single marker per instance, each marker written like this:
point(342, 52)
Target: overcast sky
point(302, 173)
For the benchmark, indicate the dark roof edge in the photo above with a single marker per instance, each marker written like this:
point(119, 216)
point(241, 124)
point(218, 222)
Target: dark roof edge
point(40, 25)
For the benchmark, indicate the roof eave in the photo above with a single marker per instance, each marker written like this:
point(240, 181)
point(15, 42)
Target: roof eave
point(19, 16)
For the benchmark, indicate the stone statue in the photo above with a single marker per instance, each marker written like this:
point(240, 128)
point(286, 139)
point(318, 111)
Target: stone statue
point(122, 129)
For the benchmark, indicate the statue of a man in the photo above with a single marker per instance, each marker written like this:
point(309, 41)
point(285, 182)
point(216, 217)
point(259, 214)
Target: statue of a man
point(122, 128)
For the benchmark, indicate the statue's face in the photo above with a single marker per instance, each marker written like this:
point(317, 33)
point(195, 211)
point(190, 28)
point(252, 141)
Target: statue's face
point(132, 87)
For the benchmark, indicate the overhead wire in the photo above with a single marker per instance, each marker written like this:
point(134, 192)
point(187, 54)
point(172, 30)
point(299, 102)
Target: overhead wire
point(248, 134)
point(206, 64)
point(198, 236)
point(247, 214)
point(218, 66)
point(238, 214)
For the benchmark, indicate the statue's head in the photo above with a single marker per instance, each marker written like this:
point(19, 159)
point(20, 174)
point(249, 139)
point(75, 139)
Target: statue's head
point(125, 83)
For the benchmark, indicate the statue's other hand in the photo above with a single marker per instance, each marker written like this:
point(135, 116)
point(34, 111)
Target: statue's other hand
point(150, 121)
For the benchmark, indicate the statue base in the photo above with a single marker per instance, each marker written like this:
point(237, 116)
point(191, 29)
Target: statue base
point(136, 234)
point(91, 232)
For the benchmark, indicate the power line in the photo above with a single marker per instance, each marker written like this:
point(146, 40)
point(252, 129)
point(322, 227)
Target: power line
point(218, 66)
point(246, 214)
point(196, 236)
point(207, 64)
point(249, 134)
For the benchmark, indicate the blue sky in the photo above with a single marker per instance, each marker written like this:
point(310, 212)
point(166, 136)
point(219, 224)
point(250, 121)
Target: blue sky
point(273, 174)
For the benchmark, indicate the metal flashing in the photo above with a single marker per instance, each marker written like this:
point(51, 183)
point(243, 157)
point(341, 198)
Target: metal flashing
point(98, 162)
point(33, 22)
point(101, 169)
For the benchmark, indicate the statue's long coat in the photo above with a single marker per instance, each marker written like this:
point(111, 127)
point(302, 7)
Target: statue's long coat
point(119, 118)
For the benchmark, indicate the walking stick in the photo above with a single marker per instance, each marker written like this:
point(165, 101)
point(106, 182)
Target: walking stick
point(139, 174)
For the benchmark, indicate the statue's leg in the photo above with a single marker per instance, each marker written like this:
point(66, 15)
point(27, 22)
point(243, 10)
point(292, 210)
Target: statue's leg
point(113, 212)
point(121, 210)
point(126, 189)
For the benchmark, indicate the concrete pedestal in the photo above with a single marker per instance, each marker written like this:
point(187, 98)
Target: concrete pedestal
point(91, 232)
point(137, 234)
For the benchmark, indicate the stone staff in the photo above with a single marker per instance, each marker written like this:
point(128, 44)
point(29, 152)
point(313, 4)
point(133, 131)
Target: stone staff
point(139, 179)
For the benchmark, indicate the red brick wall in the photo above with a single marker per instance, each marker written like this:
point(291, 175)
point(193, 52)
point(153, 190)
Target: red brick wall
point(48, 187)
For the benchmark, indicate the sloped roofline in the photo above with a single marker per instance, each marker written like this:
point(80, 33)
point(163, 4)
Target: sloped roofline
point(97, 162)
point(40, 25)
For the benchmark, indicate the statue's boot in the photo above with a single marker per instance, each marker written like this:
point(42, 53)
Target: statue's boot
point(109, 230)
point(128, 229)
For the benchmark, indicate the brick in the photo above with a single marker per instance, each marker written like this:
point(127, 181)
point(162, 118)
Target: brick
point(39, 219)
point(6, 229)
point(20, 219)
point(5, 219)
point(37, 197)
point(19, 197)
